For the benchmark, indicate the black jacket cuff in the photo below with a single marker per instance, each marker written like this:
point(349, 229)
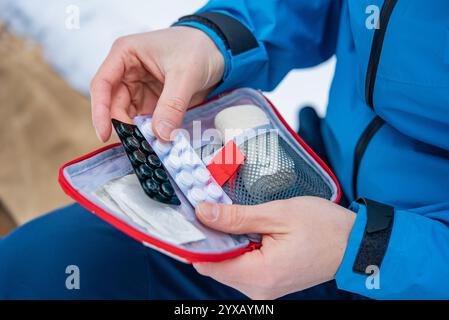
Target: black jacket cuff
point(234, 34)
point(376, 236)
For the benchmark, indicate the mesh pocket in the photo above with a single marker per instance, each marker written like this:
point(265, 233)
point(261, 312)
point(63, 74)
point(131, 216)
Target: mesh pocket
point(273, 171)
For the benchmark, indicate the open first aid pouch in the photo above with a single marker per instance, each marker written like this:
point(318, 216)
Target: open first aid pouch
point(235, 148)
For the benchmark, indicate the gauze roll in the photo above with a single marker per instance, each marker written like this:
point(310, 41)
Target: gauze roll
point(234, 121)
point(268, 169)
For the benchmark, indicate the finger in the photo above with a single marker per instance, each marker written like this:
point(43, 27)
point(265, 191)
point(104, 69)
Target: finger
point(173, 102)
point(107, 77)
point(237, 219)
point(121, 105)
point(150, 98)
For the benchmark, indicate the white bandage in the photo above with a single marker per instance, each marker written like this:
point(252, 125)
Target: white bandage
point(126, 196)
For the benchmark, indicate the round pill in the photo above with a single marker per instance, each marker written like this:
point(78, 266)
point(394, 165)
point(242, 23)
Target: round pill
point(201, 176)
point(189, 159)
point(147, 129)
point(153, 160)
point(197, 195)
point(146, 147)
point(176, 151)
point(167, 190)
point(161, 148)
point(124, 129)
point(145, 171)
point(131, 143)
point(173, 162)
point(137, 157)
point(184, 179)
point(162, 198)
point(214, 191)
point(179, 136)
point(180, 146)
point(137, 133)
point(210, 199)
point(160, 175)
point(151, 187)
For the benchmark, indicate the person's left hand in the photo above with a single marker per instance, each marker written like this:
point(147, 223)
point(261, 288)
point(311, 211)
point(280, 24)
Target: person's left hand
point(304, 240)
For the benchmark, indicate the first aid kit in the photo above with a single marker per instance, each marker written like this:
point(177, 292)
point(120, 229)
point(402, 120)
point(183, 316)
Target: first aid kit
point(233, 149)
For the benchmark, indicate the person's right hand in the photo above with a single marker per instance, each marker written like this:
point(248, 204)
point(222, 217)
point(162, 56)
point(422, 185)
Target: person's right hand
point(161, 72)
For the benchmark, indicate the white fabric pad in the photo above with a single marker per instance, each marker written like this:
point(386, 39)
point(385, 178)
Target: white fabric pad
point(125, 195)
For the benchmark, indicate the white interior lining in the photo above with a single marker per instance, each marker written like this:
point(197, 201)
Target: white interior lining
point(89, 174)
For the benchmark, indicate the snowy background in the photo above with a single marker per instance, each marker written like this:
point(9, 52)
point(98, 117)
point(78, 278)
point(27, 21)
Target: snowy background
point(76, 53)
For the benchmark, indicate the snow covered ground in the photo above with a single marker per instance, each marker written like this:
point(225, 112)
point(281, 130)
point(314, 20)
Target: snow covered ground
point(75, 51)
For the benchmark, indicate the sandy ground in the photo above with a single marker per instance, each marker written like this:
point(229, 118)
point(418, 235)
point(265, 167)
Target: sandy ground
point(6, 222)
point(44, 123)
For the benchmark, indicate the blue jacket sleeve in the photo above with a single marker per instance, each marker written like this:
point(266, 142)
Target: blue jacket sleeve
point(290, 34)
point(415, 264)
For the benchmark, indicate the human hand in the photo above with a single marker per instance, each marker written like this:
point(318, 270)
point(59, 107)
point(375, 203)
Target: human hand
point(161, 72)
point(304, 240)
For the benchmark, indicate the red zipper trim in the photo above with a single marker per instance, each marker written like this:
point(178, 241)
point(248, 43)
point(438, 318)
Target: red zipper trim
point(134, 233)
point(142, 237)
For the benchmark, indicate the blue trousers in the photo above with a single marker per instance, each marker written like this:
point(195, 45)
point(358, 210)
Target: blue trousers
point(34, 260)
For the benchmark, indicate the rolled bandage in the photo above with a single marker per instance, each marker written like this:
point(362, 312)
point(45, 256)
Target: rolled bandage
point(267, 169)
point(234, 121)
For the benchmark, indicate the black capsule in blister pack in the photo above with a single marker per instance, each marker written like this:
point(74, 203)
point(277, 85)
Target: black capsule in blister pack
point(148, 167)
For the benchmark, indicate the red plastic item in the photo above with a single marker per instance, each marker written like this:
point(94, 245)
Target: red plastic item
point(226, 162)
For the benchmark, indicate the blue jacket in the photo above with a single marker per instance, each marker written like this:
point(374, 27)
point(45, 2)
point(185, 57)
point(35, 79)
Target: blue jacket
point(387, 125)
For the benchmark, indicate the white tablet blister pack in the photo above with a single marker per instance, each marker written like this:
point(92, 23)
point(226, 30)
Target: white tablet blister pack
point(184, 166)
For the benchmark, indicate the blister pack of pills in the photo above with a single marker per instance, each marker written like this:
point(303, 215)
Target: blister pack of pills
point(149, 189)
point(184, 166)
point(147, 165)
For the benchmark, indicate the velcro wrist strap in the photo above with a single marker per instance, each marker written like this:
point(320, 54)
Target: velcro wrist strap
point(376, 236)
point(234, 34)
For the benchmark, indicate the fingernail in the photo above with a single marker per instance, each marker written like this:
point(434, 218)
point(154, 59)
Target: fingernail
point(208, 211)
point(98, 134)
point(164, 128)
point(201, 268)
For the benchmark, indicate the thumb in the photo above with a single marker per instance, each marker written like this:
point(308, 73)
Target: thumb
point(238, 219)
point(173, 102)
